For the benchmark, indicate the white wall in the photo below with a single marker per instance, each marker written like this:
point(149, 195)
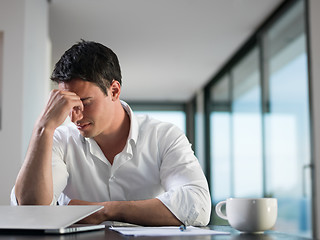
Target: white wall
point(24, 24)
point(314, 31)
point(36, 64)
point(1, 54)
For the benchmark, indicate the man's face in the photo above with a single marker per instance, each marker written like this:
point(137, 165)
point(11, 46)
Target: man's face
point(98, 109)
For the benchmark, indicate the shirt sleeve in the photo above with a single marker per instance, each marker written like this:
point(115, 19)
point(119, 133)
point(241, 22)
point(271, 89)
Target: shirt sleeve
point(13, 199)
point(186, 194)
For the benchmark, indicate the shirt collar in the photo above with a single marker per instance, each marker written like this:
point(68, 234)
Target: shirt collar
point(134, 128)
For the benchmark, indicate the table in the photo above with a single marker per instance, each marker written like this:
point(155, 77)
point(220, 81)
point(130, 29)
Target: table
point(111, 235)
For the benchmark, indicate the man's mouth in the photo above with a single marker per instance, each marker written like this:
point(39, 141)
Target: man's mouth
point(83, 126)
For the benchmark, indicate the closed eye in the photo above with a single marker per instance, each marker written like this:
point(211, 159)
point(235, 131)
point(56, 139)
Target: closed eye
point(86, 101)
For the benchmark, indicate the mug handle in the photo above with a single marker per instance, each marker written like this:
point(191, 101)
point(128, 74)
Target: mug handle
point(219, 212)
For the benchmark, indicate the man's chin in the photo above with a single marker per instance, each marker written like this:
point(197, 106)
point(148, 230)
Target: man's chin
point(86, 134)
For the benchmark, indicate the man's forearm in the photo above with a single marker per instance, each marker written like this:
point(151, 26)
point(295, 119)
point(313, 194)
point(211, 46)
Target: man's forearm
point(34, 182)
point(151, 212)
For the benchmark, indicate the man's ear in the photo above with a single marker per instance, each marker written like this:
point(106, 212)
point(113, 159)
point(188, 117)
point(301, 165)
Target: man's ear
point(115, 90)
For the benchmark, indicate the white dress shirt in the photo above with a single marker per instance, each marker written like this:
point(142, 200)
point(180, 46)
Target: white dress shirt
point(157, 162)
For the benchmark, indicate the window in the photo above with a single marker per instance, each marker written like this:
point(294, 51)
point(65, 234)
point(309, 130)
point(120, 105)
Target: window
point(236, 132)
point(246, 126)
point(220, 147)
point(173, 113)
point(287, 133)
point(258, 114)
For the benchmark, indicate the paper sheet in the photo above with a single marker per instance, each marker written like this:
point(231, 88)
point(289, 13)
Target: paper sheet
point(165, 231)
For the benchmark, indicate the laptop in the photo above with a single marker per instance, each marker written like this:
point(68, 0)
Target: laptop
point(47, 219)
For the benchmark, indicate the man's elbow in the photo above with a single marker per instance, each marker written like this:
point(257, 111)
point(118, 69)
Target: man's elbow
point(32, 199)
point(200, 213)
point(204, 216)
point(33, 202)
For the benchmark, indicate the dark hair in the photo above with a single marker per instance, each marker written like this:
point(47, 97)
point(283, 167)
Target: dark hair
point(89, 61)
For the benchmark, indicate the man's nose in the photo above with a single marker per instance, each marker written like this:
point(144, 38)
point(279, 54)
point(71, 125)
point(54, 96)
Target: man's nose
point(76, 114)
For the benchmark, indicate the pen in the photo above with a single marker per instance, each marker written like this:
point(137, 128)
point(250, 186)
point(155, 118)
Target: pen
point(183, 228)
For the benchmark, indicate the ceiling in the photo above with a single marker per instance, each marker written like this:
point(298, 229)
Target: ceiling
point(168, 49)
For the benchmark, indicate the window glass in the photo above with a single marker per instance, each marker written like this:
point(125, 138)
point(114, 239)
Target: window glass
point(221, 177)
point(236, 132)
point(199, 128)
point(220, 144)
point(287, 121)
point(247, 127)
point(178, 118)
point(260, 124)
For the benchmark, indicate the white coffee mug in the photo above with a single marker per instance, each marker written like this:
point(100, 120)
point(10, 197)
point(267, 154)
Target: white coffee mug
point(254, 215)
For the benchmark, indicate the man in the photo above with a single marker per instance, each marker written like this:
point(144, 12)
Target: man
point(141, 170)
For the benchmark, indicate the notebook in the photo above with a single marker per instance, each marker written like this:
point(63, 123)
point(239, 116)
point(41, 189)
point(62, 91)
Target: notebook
point(47, 219)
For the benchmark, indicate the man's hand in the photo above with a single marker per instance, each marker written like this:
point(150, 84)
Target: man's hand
point(59, 106)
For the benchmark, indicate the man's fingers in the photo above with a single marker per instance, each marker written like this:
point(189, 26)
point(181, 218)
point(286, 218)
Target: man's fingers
point(70, 97)
point(60, 105)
